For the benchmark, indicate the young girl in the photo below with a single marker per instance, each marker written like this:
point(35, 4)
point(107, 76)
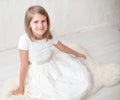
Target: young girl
point(45, 72)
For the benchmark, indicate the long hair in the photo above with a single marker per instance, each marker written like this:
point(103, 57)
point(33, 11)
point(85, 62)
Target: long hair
point(28, 17)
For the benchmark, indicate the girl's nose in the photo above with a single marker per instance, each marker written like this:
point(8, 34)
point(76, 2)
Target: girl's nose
point(40, 25)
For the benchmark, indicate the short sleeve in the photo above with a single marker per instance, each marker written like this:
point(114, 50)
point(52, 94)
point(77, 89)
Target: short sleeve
point(55, 37)
point(23, 42)
point(55, 40)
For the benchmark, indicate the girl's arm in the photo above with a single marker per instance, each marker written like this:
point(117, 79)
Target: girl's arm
point(23, 71)
point(66, 49)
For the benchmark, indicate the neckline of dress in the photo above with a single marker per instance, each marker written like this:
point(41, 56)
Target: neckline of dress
point(40, 40)
point(35, 41)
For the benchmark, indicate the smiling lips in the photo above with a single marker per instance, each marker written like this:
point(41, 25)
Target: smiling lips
point(40, 29)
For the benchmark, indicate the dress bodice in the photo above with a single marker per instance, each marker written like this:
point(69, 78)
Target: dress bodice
point(40, 50)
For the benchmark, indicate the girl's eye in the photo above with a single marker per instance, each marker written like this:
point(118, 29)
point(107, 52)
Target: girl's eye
point(43, 20)
point(35, 21)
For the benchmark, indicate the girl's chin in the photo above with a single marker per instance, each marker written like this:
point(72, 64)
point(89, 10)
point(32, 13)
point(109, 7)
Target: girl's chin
point(40, 34)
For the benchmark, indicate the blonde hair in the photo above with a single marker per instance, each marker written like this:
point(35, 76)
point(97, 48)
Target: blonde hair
point(28, 17)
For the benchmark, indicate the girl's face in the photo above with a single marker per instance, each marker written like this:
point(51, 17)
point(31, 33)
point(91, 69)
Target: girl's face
point(38, 25)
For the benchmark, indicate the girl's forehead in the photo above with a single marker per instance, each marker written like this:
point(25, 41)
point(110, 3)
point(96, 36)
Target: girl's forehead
point(37, 15)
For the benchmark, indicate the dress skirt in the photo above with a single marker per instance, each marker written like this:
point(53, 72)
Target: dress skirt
point(61, 77)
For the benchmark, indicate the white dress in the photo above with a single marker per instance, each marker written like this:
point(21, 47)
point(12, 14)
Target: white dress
point(52, 74)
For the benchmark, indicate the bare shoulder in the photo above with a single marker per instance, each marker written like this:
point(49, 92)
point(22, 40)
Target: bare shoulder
point(58, 44)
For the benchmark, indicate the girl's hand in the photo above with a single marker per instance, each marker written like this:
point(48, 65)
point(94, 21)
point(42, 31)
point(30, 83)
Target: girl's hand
point(80, 55)
point(83, 56)
point(18, 91)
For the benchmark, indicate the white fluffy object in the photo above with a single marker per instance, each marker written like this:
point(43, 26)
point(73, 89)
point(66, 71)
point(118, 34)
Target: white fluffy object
point(103, 75)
